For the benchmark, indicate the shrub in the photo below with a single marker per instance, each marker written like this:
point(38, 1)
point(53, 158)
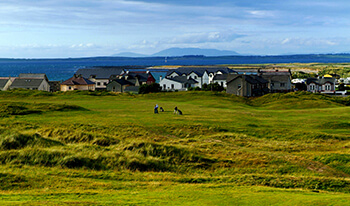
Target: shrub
point(150, 88)
point(216, 87)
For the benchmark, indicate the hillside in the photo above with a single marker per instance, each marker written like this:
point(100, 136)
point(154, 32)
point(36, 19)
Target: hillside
point(173, 52)
point(104, 148)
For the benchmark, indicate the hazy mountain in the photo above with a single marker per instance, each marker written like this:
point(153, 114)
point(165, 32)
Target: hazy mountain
point(194, 51)
point(129, 54)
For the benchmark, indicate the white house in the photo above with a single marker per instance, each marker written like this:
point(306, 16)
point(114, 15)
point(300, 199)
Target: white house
point(180, 83)
point(202, 74)
point(221, 79)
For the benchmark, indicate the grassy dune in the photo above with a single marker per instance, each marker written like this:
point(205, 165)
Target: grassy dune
point(102, 148)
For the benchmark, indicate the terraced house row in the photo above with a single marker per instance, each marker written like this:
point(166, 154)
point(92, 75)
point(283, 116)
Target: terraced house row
point(243, 82)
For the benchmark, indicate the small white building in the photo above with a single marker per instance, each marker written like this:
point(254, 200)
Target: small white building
point(221, 79)
point(180, 83)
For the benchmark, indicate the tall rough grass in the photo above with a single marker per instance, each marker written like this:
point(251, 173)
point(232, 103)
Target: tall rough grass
point(267, 141)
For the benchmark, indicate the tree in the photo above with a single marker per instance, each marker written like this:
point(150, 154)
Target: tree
point(341, 87)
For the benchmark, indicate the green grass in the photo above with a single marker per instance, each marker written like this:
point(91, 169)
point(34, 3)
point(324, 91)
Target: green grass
point(102, 148)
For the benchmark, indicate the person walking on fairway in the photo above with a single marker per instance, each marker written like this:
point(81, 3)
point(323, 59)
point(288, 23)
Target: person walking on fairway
point(156, 109)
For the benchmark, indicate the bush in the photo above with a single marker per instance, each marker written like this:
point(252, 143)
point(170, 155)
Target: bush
point(216, 87)
point(149, 88)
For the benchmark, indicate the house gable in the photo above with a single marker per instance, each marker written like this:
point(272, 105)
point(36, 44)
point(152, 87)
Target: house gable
point(323, 85)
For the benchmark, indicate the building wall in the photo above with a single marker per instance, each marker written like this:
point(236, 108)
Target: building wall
point(114, 87)
point(280, 83)
point(8, 84)
point(65, 88)
point(239, 87)
point(100, 83)
point(170, 85)
point(235, 87)
point(172, 75)
point(205, 79)
point(44, 86)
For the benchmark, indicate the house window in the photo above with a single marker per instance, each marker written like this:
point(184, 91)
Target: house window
point(282, 84)
point(164, 86)
point(105, 83)
point(312, 87)
point(272, 84)
point(98, 83)
point(69, 88)
point(172, 86)
point(239, 86)
point(327, 87)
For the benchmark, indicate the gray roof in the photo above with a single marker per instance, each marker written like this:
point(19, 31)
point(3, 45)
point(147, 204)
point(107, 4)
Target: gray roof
point(184, 80)
point(320, 81)
point(220, 77)
point(277, 77)
point(3, 82)
point(122, 82)
point(33, 75)
point(100, 73)
point(199, 70)
point(252, 79)
point(141, 76)
point(26, 83)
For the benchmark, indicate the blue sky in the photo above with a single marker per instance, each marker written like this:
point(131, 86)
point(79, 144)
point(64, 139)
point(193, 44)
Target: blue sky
point(80, 28)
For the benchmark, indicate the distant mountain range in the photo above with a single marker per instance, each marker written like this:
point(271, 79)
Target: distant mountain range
point(173, 52)
point(129, 54)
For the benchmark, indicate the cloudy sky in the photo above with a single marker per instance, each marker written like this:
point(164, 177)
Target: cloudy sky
point(80, 28)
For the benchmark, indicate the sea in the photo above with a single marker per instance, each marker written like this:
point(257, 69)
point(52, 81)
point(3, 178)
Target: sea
point(62, 69)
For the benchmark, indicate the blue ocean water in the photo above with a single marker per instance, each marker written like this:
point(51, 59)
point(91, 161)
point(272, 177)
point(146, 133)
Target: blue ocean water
point(62, 69)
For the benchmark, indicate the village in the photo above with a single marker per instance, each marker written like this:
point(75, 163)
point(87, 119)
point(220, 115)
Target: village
point(242, 82)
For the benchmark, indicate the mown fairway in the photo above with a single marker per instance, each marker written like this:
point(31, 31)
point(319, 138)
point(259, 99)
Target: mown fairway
point(91, 148)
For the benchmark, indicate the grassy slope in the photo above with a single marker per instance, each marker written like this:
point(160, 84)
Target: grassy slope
point(75, 147)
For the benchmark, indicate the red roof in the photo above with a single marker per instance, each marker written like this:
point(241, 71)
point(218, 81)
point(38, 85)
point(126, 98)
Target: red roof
point(77, 80)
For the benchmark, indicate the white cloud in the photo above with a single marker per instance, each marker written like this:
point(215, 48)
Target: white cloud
point(261, 14)
point(285, 41)
point(225, 36)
